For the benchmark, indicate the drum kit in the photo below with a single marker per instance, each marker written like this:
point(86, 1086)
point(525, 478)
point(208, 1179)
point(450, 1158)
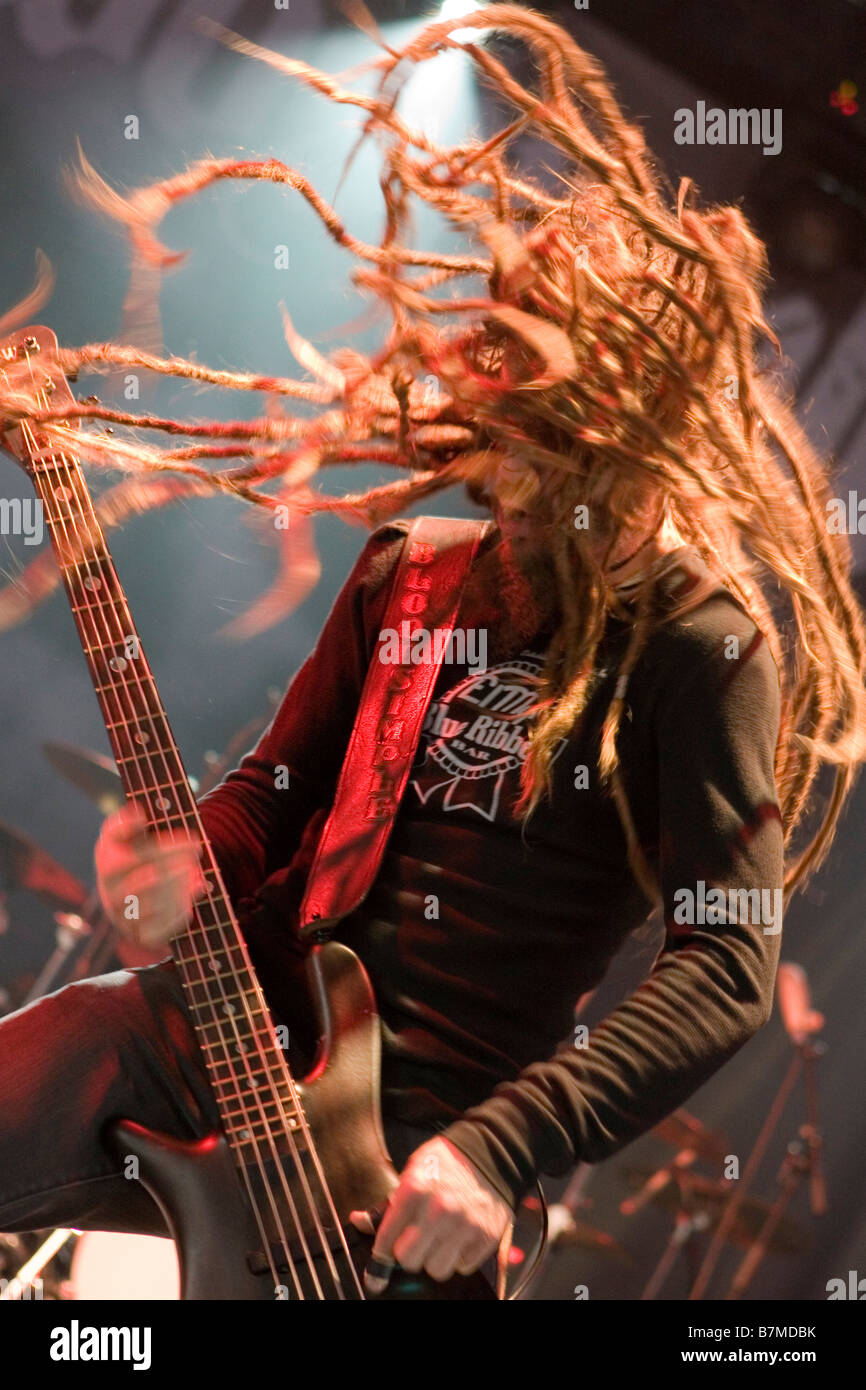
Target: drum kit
point(708, 1213)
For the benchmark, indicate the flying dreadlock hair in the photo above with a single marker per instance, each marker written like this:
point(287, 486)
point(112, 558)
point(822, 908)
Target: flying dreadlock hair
point(615, 339)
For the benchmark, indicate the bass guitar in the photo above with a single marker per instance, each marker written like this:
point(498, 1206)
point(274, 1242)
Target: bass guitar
point(259, 1209)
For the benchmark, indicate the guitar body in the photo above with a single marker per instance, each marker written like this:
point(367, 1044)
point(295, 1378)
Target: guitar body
point(197, 1187)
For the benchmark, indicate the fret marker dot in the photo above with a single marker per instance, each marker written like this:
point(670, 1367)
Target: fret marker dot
point(244, 1134)
point(214, 965)
point(228, 1008)
point(118, 663)
point(93, 582)
point(293, 1124)
point(163, 803)
point(142, 736)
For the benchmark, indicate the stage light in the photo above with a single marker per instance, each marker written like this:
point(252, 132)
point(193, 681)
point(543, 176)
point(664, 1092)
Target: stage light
point(458, 9)
point(452, 74)
point(844, 98)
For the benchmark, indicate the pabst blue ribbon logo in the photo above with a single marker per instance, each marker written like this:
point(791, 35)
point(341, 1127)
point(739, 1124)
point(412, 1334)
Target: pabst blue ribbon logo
point(475, 736)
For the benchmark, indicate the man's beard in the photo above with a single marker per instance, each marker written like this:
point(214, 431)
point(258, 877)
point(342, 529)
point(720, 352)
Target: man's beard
point(512, 593)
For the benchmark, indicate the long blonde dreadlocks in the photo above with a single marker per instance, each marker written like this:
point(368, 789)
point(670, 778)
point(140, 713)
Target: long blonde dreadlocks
point(616, 336)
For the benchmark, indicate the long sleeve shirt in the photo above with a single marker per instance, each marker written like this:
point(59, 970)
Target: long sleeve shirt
point(480, 934)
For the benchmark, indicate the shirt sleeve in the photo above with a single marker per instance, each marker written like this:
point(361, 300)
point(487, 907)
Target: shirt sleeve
point(711, 986)
point(255, 819)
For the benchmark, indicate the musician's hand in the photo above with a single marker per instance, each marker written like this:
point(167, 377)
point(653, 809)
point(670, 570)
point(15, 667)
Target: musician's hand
point(443, 1217)
point(147, 881)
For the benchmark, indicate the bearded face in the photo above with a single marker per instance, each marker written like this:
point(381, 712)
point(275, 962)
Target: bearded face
point(512, 593)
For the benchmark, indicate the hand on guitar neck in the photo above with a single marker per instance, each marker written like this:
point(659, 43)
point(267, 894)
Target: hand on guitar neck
point(147, 881)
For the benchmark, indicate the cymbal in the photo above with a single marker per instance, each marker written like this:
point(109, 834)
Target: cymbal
point(24, 864)
point(684, 1131)
point(92, 773)
point(97, 775)
point(693, 1192)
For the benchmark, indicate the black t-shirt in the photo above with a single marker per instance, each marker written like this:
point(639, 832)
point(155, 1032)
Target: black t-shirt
point(480, 933)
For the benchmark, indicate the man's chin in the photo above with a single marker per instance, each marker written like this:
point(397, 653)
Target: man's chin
point(517, 583)
point(530, 555)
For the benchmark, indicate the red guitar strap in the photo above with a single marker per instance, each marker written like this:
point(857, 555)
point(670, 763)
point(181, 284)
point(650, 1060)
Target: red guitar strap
point(436, 560)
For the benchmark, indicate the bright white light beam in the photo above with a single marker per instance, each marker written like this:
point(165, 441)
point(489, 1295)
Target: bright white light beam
point(456, 9)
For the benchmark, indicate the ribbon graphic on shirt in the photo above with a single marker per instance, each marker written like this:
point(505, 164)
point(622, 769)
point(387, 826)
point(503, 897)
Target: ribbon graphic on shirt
point(476, 735)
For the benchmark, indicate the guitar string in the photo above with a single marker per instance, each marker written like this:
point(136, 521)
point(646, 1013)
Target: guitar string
point(311, 1147)
point(288, 1079)
point(170, 782)
point(140, 717)
point(287, 1076)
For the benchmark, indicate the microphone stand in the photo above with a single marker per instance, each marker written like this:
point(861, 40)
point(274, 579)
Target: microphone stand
point(801, 1022)
point(802, 1160)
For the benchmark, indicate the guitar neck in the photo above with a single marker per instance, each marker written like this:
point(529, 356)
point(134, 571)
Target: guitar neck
point(145, 751)
point(249, 1073)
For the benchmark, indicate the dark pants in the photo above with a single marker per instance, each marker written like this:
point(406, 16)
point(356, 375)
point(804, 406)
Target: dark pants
point(119, 1046)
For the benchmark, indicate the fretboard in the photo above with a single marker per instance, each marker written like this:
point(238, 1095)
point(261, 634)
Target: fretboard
point(247, 1066)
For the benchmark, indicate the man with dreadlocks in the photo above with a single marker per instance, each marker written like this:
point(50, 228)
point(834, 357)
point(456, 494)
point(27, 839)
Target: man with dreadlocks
point(646, 734)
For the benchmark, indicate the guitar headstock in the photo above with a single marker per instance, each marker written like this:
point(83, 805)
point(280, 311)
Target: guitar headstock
point(31, 380)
